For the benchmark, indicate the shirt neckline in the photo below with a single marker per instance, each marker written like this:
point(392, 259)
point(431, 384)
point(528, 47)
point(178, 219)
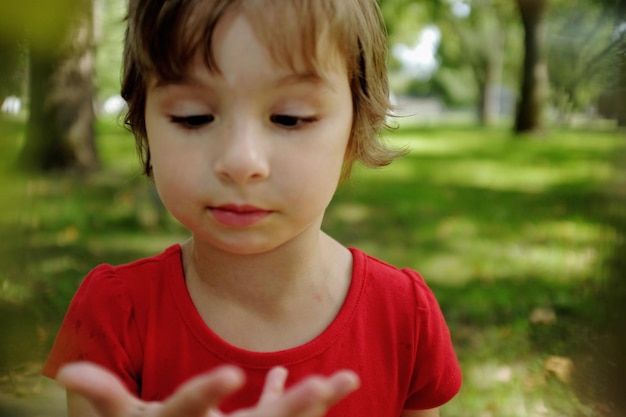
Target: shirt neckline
point(229, 353)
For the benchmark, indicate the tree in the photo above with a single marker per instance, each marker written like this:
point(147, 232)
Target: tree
point(618, 9)
point(582, 54)
point(110, 38)
point(60, 127)
point(481, 44)
point(534, 83)
point(477, 47)
point(12, 63)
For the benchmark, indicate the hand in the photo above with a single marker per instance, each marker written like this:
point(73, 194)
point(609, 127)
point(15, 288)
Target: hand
point(200, 396)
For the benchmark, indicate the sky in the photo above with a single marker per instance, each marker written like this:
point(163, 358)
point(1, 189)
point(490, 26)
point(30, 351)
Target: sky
point(420, 59)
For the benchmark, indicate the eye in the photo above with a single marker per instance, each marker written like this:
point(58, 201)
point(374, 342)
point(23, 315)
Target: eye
point(194, 121)
point(290, 121)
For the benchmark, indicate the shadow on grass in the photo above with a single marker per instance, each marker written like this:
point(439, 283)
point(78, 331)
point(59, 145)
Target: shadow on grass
point(456, 233)
point(62, 227)
point(601, 377)
point(500, 229)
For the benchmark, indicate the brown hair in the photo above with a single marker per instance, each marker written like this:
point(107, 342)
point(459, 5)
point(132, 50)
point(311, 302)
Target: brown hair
point(163, 37)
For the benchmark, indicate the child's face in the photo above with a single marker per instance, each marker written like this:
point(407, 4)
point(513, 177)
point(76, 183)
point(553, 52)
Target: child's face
point(249, 158)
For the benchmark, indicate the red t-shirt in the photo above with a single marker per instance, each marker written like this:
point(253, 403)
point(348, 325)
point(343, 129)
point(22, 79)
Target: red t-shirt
point(138, 320)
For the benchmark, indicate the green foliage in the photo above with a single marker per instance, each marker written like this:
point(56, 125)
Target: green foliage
point(499, 228)
point(504, 231)
point(39, 22)
point(13, 68)
point(478, 52)
point(110, 45)
point(581, 48)
point(455, 86)
point(582, 53)
point(404, 18)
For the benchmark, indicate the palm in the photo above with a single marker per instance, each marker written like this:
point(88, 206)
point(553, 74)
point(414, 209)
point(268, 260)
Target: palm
point(200, 397)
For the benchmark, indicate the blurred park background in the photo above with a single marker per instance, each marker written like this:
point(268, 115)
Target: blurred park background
point(511, 201)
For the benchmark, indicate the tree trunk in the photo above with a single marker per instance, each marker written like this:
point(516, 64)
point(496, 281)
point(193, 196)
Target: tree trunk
point(489, 94)
point(11, 67)
point(534, 87)
point(621, 89)
point(60, 129)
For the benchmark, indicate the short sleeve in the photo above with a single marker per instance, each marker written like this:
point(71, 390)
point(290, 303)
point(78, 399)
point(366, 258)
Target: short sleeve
point(437, 374)
point(99, 327)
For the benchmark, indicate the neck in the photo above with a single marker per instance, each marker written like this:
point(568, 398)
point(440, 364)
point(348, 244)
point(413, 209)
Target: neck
point(269, 280)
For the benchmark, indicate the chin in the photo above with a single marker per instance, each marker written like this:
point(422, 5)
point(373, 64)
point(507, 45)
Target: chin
point(242, 247)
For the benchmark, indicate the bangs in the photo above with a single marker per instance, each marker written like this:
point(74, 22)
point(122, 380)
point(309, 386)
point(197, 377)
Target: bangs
point(303, 35)
point(165, 36)
point(168, 36)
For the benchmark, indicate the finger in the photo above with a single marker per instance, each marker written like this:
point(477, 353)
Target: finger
point(274, 384)
point(196, 397)
point(107, 394)
point(312, 397)
point(343, 383)
point(334, 389)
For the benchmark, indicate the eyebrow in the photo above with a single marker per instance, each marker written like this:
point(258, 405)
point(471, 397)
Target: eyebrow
point(290, 79)
point(304, 78)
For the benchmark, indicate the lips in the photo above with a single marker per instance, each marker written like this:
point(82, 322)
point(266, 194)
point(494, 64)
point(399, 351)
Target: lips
point(233, 215)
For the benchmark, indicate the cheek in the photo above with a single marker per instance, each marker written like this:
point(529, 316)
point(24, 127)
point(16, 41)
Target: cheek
point(175, 174)
point(178, 171)
point(317, 161)
point(169, 184)
point(173, 159)
point(311, 179)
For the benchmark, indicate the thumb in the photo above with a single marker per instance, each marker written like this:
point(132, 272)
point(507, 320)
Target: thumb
point(106, 393)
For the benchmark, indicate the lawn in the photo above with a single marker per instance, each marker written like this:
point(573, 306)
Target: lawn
point(511, 234)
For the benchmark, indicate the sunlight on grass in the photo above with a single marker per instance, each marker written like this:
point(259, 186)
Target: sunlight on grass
point(512, 392)
point(425, 144)
point(497, 226)
point(136, 243)
point(530, 178)
point(352, 213)
point(57, 265)
point(12, 292)
point(498, 175)
point(567, 231)
point(117, 146)
point(555, 250)
point(478, 205)
point(506, 381)
point(497, 163)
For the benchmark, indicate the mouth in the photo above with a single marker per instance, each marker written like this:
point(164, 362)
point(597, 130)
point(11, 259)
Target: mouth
point(233, 215)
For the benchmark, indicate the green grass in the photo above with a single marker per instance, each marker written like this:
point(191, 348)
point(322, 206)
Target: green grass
point(499, 226)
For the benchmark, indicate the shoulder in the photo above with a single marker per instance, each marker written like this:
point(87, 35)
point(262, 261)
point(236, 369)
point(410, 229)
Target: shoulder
point(403, 309)
point(400, 283)
point(401, 293)
point(409, 306)
point(371, 265)
point(140, 271)
point(137, 269)
point(122, 282)
point(106, 320)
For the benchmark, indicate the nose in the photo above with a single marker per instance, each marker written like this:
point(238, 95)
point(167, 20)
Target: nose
point(242, 157)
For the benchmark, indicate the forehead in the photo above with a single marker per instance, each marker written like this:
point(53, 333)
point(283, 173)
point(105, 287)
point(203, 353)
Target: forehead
point(296, 34)
point(302, 38)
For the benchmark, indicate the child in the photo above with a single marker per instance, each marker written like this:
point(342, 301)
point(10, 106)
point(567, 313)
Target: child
point(247, 114)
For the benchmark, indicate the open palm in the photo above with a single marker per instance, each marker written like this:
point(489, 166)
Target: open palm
point(201, 396)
